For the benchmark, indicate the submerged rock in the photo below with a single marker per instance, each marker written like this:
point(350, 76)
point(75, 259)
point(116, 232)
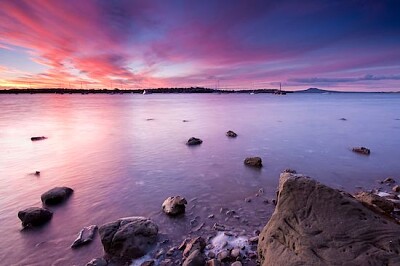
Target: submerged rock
point(85, 236)
point(231, 134)
point(316, 225)
point(253, 161)
point(97, 262)
point(194, 141)
point(174, 205)
point(34, 216)
point(130, 237)
point(361, 150)
point(38, 138)
point(56, 195)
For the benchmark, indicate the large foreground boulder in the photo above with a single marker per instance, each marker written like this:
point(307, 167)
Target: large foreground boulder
point(34, 216)
point(56, 195)
point(130, 237)
point(316, 225)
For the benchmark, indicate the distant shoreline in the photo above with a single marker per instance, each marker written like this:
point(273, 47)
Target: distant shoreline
point(168, 91)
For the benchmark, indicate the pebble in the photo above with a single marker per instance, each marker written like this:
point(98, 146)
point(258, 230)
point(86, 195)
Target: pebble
point(253, 239)
point(211, 216)
point(223, 255)
point(211, 255)
point(235, 253)
point(236, 263)
point(247, 199)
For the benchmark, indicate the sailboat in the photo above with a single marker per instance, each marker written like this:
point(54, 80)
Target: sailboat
point(280, 92)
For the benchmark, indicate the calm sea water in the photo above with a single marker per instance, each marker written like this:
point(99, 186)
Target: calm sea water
point(124, 154)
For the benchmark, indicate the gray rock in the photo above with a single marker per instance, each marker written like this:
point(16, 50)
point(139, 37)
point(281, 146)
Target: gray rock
point(97, 262)
point(195, 259)
point(231, 134)
point(130, 237)
point(236, 263)
point(34, 216)
point(253, 161)
point(194, 141)
point(361, 150)
point(197, 243)
point(85, 236)
point(56, 195)
point(316, 225)
point(174, 205)
point(375, 202)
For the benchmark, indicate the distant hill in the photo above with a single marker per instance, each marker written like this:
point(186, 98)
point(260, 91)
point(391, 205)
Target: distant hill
point(315, 90)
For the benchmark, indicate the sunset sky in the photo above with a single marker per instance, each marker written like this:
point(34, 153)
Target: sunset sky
point(340, 45)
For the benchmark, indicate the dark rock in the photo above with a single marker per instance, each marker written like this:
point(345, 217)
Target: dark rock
point(316, 225)
point(195, 259)
point(56, 195)
point(194, 141)
point(34, 216)
point(253, 239)
point(197, 243)
point(291, 171)
point(185, 121)
point(375, 202)
point(130, 237)
point(396, 188)
point(37, 173)
point(148, 263)
point(236, 263)
point(97, 262)
point(183, 244)
point(85, 236)
point(343, 119)
point(38, 138)
point(389, 181)
point(174, 205)
point(253, 161)
point(361, 150)
point(167, 262)
point(231, 134)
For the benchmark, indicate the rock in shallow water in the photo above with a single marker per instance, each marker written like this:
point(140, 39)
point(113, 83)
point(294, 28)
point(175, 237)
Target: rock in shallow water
point(194, 141)
point(34, 216)
point(174, 205)
point(97, 262)
point(130, 237)
point(253, 161)
point(361, 150)
point(85, 236)
point(231, 134)
point(316, 225)
point(38, 138)
point(56, 195)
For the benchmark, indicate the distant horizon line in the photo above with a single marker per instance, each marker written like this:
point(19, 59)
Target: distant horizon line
point(192, 89)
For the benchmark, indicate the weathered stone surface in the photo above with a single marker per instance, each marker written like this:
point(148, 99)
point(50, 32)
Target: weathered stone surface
point(231, 134)
point(56, 195)
point(85, 236)
point(197, 243)
point(194, 141)
point(174, 205)
point(130, 237)
point(34, 216)
point(195, 259)
point(375, 201)
point(253, 161)
point(317, 225)
point(97, 262)
point(361, 150)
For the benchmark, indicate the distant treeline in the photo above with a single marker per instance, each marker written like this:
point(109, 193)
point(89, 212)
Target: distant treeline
point(139, 91)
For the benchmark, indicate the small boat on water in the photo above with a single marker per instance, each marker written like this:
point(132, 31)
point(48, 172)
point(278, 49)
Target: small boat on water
point(144, 92)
